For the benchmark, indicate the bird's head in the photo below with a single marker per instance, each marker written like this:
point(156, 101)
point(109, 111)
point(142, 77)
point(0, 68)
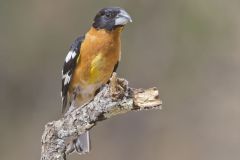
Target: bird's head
point(111, 18)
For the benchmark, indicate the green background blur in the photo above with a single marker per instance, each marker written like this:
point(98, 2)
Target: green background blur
point(189, 49)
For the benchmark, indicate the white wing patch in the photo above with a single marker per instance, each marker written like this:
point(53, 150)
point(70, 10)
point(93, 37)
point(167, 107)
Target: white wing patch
point(70, 55)
point(66, 78)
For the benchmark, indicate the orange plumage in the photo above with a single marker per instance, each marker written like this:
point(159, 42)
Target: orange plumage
point(100, 52)
point(91, 61)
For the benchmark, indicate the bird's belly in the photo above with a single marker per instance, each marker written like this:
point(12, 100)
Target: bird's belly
point(93, 77)
point(101, 69)
point(95, 72)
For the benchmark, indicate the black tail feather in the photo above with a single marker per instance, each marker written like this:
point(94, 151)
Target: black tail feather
point(64, 104)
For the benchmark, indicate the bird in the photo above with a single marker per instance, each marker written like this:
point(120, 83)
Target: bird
point(90, 62)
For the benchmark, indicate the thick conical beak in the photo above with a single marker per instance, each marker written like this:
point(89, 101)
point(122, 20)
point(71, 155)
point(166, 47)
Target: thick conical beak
point(122, 18)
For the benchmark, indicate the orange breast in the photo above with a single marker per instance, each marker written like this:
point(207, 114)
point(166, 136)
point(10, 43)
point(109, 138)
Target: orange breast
point(99, 53)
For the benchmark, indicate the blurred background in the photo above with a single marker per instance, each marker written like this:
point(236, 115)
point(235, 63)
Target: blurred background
point(189, 49)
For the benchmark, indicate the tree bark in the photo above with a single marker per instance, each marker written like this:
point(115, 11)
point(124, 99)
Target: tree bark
point(115, 98)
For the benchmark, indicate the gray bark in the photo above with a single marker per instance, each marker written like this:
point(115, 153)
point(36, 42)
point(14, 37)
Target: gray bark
point(115, 98)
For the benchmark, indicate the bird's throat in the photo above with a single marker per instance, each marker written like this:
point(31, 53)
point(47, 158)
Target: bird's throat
point(105, 33)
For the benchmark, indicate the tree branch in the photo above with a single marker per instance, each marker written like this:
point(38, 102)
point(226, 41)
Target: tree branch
point(115, 98)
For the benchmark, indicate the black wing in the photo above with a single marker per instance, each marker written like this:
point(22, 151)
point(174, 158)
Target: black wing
point(68, 69)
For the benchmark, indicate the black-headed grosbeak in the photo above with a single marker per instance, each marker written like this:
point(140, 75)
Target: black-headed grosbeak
point(91, 61)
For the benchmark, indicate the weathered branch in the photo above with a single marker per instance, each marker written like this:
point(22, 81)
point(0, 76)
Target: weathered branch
point(115, 98)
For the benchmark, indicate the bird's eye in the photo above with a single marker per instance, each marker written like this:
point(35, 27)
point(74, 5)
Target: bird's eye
point(108, 15)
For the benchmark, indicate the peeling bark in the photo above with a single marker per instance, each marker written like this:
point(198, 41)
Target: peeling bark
point(115, 98)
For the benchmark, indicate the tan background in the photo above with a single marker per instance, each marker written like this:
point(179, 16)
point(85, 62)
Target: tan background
point(189, 49)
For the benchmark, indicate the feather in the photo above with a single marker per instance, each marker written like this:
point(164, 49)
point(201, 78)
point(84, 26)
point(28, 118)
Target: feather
point(68, 69)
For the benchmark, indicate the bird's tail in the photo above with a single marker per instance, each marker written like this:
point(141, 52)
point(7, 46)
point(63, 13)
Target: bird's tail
point(82, 144)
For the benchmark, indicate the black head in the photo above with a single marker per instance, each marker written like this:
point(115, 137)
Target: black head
point(111, 18)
